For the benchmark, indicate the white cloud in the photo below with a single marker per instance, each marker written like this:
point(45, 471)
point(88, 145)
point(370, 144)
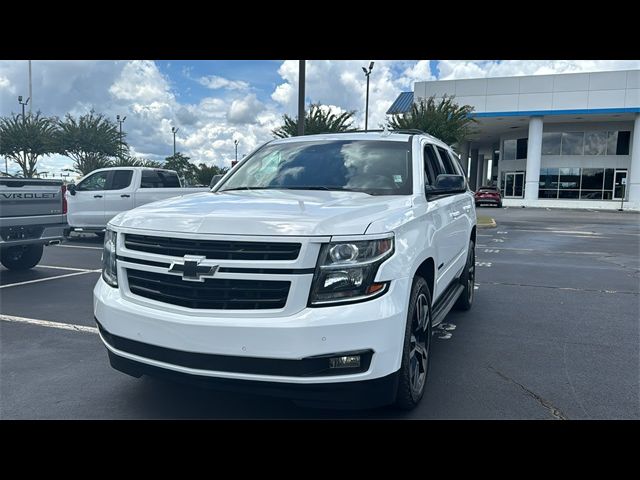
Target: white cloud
point(245, 110)
point(215, 82)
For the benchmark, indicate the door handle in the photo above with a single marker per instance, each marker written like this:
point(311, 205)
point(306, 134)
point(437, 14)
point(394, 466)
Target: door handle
point(97, 196)
point(467, 207)
point(125, 195)
point(455, 214)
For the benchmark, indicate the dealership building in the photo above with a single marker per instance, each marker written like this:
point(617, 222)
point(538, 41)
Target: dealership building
point(566, 140)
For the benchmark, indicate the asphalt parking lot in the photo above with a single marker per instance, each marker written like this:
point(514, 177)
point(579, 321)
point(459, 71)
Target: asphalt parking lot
point(554, 334)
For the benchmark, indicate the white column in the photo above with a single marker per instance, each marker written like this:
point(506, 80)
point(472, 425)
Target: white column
point(534, 153)
point(479, 172)
point(634, 174)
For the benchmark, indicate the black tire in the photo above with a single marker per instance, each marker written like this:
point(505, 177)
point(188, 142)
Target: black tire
point(468, 280)
point(21, 257)
point(416, 354)
point(500, 205)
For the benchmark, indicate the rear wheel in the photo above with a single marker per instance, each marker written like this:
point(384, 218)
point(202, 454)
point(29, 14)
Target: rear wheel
point(21, 257)
point(468, 280)
point(416, 353)
point(499, 204)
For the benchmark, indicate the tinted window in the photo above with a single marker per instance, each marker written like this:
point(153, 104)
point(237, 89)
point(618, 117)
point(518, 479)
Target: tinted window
point(159, 179)
point(521, 148)
point(595, 143)
point(432, 164)
point(592, 178)
point(622, 146)
point(447, 161)
point(374, 167)
point(97, 181)
point(509, 150)
point(121, 179)
point(551, 143)
point(572, 143)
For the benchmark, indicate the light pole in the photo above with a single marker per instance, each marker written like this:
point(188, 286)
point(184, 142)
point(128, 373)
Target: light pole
point(174, 130)
point(23, 105)
point(235, 142)
point(301, 85)
point(120, 122)
point(366, 108)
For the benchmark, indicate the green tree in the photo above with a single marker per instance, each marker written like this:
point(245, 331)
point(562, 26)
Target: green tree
point(181, 164)
point(445, 120)
point(90, 141)
point(130, 161)
point(24, 140)
point(205, 173)
point(318, 119)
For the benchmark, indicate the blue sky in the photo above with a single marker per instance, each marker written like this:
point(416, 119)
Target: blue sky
point(216, 102)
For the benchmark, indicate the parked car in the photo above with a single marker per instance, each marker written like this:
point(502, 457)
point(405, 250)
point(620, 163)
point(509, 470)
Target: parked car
point(316, 269)
point(102, 194)
point(33, 213)
point(488, 196)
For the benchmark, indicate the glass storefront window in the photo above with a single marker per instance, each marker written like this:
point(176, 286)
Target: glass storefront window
point(592, 178)
point(569, 179)
point(548, 178)
point(509, 149)
point(551, 143)
point(572, 143)
point(590, 194)
point(608, 179)
point(595, 143)
point(612, 143)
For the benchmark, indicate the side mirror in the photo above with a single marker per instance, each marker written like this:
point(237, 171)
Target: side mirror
point(215, 179)
point(448, 184)
point(71, 188)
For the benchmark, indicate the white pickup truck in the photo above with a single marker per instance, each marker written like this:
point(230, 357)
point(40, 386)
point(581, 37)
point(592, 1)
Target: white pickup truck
point(316, 268)
point(102, 194)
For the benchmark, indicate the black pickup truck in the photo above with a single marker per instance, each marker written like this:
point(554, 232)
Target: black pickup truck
point(33, 213)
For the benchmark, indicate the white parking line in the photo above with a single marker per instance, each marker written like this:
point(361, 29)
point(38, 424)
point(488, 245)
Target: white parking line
point(46, 323)
point(49, 278)
point(66, 268)
point(78, 246)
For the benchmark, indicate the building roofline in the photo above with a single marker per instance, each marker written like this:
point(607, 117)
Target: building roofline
point(521, 76)
point(531, 113)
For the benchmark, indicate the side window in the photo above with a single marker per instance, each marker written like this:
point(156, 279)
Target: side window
point(121, 179)
point(432, 165)
point(159, 179)
point(456, 164)
point(97, 181)
point(447, 162)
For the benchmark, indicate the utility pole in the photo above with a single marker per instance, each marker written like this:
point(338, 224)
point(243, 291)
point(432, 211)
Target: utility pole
point(366, 108)
point(174, 130)
point(235, 142)
point(23, 105)
point(120, 122)
point(30, 90)
point(301, 82)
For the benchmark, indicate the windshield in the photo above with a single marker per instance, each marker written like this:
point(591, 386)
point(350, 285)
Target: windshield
point(369, 166)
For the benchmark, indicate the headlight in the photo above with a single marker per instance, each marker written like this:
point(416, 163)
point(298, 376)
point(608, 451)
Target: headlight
point(109, 272)
point(346, 271)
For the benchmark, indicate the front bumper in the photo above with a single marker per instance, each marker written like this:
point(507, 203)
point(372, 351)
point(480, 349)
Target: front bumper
point(377, 325)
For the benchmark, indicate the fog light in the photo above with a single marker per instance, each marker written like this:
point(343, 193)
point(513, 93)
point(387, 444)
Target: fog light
point(348, 361)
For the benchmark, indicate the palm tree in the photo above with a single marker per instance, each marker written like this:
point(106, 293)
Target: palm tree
point(24, 140)
point(90, 141)
point(319, 119)
point(445, 120)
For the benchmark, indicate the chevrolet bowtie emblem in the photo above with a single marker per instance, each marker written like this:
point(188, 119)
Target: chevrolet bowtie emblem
point(191, 269)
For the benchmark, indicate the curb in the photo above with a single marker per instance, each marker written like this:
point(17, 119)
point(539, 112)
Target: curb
point(491, 224)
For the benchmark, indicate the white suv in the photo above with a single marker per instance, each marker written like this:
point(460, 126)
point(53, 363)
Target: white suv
point(315, 269)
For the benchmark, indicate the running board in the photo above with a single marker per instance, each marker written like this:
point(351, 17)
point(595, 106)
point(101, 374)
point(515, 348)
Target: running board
point(446, 301)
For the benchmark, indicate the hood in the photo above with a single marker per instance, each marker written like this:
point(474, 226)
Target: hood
point(265, 212)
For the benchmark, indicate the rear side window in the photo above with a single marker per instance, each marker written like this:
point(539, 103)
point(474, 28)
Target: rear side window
point(121, 179)
point(159, 179)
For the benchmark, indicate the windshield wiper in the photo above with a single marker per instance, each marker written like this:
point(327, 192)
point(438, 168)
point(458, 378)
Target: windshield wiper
point(317, 187)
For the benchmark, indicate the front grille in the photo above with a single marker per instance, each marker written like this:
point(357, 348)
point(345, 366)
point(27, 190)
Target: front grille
point(213, 249)
point(214, 293)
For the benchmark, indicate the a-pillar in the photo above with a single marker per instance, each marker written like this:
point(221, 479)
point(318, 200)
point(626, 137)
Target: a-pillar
point(473, 171)
point(534, 155)
point(634, 173)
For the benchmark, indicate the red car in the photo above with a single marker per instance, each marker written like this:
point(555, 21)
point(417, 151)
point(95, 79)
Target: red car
point(488, 195)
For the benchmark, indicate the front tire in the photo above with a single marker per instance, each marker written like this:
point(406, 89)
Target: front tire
point(468, 280)
point(22, 257)
point(416, 355)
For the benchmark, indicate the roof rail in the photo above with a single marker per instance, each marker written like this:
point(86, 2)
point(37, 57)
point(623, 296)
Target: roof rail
point(412, 131)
